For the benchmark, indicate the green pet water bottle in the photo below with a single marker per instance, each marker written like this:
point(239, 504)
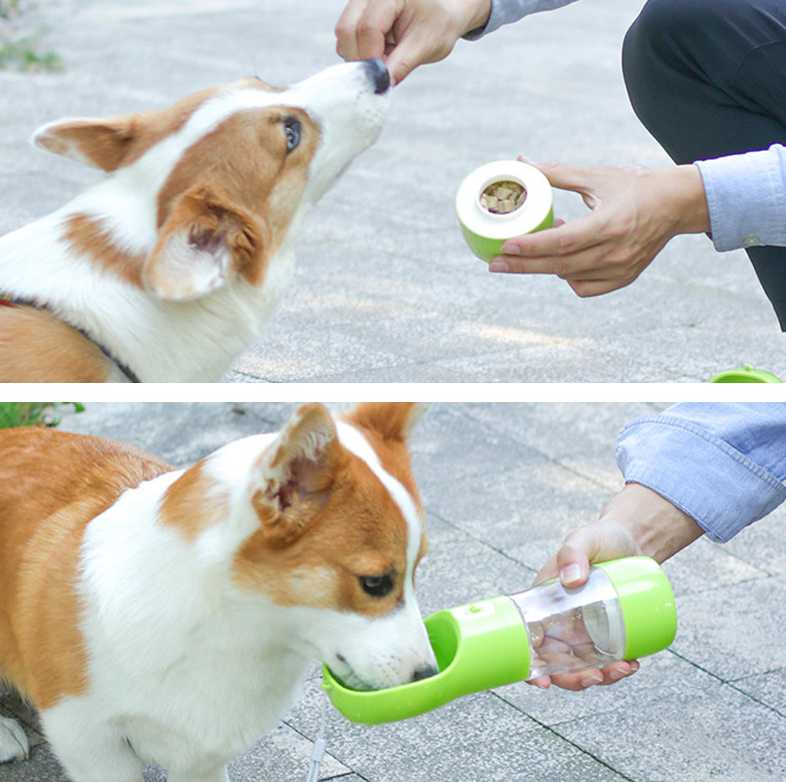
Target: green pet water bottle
point(624, 611)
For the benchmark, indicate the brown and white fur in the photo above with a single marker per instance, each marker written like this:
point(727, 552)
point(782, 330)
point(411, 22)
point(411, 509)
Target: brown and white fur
point(169, 616)
point(174, 261)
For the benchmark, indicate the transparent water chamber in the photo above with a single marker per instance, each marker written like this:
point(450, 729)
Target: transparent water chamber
point(573, 629)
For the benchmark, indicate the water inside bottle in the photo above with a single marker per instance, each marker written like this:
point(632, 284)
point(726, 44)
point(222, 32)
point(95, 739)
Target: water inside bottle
point(572, 630)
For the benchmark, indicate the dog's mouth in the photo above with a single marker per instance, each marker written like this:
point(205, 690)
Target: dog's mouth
point(345, 673)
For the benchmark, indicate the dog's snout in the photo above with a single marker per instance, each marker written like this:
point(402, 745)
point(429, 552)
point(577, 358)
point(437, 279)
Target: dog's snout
point(379, 75)
point(426, 672)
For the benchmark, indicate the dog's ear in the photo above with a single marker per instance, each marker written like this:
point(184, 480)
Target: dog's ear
point(204, 242)
point(296, 475)
point(390, 420)
point(101, 143)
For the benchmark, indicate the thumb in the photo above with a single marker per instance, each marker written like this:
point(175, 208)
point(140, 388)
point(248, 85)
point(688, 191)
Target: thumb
point(573, 565)
point(412, 51)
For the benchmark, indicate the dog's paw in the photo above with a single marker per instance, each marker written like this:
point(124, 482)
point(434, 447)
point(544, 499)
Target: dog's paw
point(13, 741)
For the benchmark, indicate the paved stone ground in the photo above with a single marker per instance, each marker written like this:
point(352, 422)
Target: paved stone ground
point(502, 485)
point(383, 270)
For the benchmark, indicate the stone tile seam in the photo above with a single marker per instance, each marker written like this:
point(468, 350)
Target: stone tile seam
point(594, 481)
point(484, 543)
point(327, 754)
point(564, 738)
point(731, 682)
point(753, 675)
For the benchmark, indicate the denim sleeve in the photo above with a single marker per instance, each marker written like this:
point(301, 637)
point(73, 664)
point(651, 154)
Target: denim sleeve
point(723, 465)
point(746, 196)
point(509, 11)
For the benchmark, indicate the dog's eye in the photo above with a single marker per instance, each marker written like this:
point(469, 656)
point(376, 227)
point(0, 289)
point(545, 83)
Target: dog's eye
point(376, 586)
point(292, 129)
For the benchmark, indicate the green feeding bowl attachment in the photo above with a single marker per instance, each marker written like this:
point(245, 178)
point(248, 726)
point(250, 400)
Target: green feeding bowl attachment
point(477, 646)
point(746, 374)
point(625, 610)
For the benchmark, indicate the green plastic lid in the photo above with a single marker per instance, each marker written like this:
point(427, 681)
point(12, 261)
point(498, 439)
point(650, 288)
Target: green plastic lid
point(477, 646)
point(649, 612)
point(746, 374)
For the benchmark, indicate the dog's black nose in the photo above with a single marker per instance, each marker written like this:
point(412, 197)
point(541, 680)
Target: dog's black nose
point(379, 74)
point(424, 673)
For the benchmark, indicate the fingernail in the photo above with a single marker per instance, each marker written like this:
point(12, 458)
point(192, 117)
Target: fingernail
point(590, 679)
point(542, 685)
point(498, 266)
point(511, 249)
point(634, 666)
point(570, 573)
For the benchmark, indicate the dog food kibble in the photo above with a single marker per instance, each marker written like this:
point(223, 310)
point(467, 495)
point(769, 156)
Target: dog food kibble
point(503, 197)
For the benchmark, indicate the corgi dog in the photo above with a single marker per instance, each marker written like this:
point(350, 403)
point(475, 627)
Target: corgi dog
point(166, 616)
point(167, 269)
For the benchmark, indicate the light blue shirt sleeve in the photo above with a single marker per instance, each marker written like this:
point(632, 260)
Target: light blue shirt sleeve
point(746, 196)
point(723, 465)
point(508, 11)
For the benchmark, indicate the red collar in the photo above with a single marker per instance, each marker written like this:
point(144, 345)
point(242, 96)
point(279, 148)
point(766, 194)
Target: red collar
point(6, 303)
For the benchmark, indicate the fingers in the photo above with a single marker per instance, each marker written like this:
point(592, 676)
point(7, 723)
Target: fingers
point(573, 178)
point(567, 239)
point(590, 264)
point(414, 49)
point(587, 289)
point(363, 28)
point(373, 28)
point(346, 30)
point(618, 671)
point(593, 677)
point(582, 680)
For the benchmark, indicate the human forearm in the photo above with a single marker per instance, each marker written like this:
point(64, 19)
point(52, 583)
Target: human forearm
point(654, 525)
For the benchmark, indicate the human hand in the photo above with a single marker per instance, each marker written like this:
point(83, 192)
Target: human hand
point(635, 521)
point(635, 213)
point(407, 33)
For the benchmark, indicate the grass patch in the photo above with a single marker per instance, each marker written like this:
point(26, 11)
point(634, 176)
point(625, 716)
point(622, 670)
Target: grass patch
point(14, 414)
point(25, 56)
point(9, 8)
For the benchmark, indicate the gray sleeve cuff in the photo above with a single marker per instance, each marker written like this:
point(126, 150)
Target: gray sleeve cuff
point(701, 474)
point(508, 11)
point(746, 196)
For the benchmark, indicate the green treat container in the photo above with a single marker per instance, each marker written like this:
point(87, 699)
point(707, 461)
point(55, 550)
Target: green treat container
point(746, 374)
point(486, 644)
point(486, 232)
point(647, 605)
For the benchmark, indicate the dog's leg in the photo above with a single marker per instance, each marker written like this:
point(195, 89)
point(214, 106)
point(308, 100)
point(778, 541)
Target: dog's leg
point(97, 756)
point(13, 741)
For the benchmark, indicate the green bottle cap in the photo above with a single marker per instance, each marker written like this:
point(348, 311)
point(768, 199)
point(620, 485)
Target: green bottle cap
point(477, 646)
point(647, 605)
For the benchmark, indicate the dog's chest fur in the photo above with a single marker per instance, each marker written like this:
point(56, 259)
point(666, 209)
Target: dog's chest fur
point(191, 680)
